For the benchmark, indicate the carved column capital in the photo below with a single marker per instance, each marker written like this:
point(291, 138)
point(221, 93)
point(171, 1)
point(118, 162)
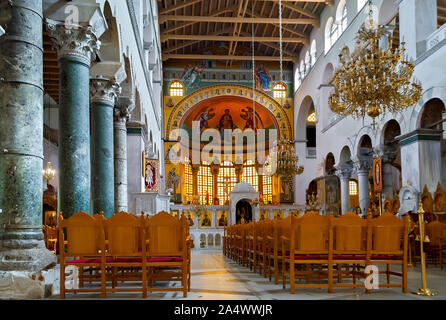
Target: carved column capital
point(344, 171)
point(123, 107)
point(363, 165)
point(75, 42)
point(104, 90)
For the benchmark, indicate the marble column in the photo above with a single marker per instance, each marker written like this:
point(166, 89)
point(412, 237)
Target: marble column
point(122, 111)
point(103, 94)
point(21, 143)
point(388, 155)
point(363, 167)
point(75, 48)
point(344, 173)
point(215, 169)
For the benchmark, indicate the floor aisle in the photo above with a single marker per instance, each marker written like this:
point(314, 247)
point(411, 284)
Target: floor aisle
point(219, 278)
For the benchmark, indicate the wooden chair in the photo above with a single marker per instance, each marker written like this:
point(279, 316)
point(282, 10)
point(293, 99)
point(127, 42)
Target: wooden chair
point(349, 247)
point(251, 243)
point(126, 251)
point(281, 227)
point(436, 231)
point(387, 243)
point(167, 248)
point(308, 243)
point(261, 248)
point(85, 243)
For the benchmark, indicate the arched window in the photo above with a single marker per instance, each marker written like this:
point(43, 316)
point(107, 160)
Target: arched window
point(334, 34)
point(279, 90)
point(312, 117)
point(297, 80)
point(361, 4)
point(307, 62)
point(250, 175)
point(311, 132)
point(344, 21)
point(188, 179)
point(226, 180)
point(328, 28)
point(313, 52)
point(205, 183)
point(302, 70)
point(352, 188)
point(176, 89)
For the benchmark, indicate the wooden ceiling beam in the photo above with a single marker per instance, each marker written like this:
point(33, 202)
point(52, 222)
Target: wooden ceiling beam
point(178, 6)
point(228, 38)
point(190, 43)
point(223, 57)
point(314, 22)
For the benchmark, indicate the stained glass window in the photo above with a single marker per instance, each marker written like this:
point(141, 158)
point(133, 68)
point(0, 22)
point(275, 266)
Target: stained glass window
point(188, 177)
point(267, 188)
point(353, 188)
point(250, 175)
point(279, 90)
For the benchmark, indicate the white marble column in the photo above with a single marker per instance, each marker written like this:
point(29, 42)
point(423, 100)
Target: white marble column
point(363, 166)
point(388, 155)
point(344, 173)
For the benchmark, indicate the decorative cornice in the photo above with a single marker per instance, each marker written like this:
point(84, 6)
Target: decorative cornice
point(75, 42)
point(419, 135)
point(104, 90)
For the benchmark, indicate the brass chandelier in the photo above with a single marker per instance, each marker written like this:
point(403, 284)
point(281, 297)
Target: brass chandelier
point(287, 160)
point(373, 80)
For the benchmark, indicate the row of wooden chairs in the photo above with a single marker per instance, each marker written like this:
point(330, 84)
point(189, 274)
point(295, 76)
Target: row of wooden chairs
point(436, 247)
point(321, 251)
point(125, 248)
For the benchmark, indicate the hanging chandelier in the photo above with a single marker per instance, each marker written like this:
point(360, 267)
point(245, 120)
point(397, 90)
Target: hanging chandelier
point(373, 80)
point(287, 160)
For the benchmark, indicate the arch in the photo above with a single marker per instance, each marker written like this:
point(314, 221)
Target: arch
point(188, 103)
point(391, 129)
point(210, 240)
point(345, 156)
point(202, 240)
point(329, 164)
point(176, 88)
point(365, 145)
point(328, 28)
point(127, 88)
point(433, 92)
point(431, 114)
point(387, 12)
point(327, 75)
point(301, 123)
point(217, 240)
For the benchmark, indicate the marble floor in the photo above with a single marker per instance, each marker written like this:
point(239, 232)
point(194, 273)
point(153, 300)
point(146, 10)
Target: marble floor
point(215, 277)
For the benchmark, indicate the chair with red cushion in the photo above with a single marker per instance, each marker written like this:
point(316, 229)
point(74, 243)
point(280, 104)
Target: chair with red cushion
point(85, 244)
point(387, 243)
point(168, 252)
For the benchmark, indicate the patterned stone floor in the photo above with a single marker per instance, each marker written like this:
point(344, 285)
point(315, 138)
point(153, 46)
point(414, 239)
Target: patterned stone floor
point(215, 277)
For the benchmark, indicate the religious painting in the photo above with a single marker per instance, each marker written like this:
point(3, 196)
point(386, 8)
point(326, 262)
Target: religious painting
point(175, 213)
point(172, 181)
point(222, 219)
point(263, 216)
point(51, 218)
point(190, 216)
point(331, 195)
point(263, 79)
point(278, 215)
point(172, 155)
point(206, 220)
point(151, 175)
point(377, 176)
point(204, 117)
point(191, 76)
point(169, 103)
point(225, 122)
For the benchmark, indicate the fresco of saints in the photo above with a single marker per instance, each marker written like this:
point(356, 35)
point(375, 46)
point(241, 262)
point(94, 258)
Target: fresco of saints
point(247, 114)
point(192, 76)
point(225, 122)
point(263, 79)
point(205, 116)
point(173, 180)
point(206, 222)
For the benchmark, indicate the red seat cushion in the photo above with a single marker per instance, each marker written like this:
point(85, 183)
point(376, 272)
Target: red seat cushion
point(82, 261)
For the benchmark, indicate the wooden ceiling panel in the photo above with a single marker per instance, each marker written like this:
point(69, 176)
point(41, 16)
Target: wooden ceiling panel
point(188, 26)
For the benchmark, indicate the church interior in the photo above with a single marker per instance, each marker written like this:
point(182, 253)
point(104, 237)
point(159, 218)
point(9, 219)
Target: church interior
point(189, 149)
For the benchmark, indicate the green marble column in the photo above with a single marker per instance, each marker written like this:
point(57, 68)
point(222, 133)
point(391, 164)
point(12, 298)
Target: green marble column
point(21, 139)
point(103, 94)
point(75, 48)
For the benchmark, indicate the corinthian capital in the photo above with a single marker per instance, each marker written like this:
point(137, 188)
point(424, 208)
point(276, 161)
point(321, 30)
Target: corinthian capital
point(104, 90)
point(363, 164)
point(123, 107)
point(80, 42)
point(344, 171)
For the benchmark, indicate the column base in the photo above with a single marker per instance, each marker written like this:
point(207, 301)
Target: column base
point(20, 285)
point(25, 255)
